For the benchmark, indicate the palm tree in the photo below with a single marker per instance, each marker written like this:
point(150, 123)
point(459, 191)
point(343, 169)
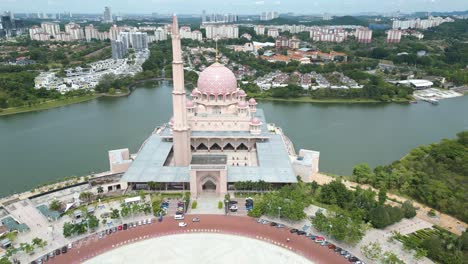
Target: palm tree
point(100, 189)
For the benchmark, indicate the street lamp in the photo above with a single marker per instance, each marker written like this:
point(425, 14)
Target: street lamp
point(226, 204)
point(279, 212)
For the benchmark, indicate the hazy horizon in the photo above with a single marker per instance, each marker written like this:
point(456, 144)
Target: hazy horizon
point(238, 6)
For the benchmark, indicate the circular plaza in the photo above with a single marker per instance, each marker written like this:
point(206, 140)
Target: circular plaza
point(200, 248)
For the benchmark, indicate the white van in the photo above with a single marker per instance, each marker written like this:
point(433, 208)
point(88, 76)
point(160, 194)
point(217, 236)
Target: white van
point(179, 217)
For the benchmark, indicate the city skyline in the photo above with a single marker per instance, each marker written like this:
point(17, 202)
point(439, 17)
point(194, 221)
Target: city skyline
point(239, 6)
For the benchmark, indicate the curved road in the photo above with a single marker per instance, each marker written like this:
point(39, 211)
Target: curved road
point(234, 225)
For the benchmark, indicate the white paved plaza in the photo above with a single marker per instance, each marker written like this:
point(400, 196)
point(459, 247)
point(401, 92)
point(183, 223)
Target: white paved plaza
point(200, 248)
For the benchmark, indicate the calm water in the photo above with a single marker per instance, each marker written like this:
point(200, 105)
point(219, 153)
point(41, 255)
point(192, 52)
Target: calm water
point(73, 140)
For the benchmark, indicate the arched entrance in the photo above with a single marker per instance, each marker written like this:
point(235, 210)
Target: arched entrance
point(209, 186)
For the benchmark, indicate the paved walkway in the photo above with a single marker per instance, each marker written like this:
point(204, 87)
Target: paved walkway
point(233, 225)
point(187, 248)
point(445, 221)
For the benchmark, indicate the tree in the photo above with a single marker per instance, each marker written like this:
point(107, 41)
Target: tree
point(100, 189)
point(26, 247)
point(39, 242)
point(363, 173)
point(390, 258)
point(114, 213)
point(4, 260)
point(68, 229)
point(382, 195)
point(408, 209)
point(86, 196)
point(93, 222)
point(372, 251)
point(379, 217)
point(55, 205)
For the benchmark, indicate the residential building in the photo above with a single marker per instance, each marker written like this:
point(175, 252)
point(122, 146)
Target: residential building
point(160, 34)
point(363, 35)
point(273, 32)
point(119, 49)
point(139, 40)
point(50, 28)
point(394, 36)
point(90, 32)
point(107, 15)
point(222, 31)
point(259, 30)
point(114, 32)
point(269, 15)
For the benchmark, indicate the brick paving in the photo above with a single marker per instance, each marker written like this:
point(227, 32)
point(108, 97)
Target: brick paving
point(233, 225)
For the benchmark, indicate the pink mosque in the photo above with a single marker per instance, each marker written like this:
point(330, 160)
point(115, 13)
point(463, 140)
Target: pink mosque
point(216, 137)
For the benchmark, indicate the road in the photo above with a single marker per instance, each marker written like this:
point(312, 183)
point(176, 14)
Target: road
point(234, 225)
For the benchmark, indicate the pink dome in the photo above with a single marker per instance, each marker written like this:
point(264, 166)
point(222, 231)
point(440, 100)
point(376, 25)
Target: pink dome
point(194, 92)
point(252, 101)
point(255, 121)
point(217, 79)
point(241, 93)
point(242, 104)
point(189, 103)
point(171, 121)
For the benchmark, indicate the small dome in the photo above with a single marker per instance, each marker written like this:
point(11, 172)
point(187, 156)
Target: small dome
point(171, 121)
point(252, 101)
point(217, 79)
point(194, 92)
point(255, 121)
point(189, 103)
point(241, 93)
point(242, 104)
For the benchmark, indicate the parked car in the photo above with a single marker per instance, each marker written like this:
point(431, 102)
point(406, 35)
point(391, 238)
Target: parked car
point(179, 217)
point(51, 254)
point(280, 226)
point(294, 230)
point(353, 259)
point(324, 243)
point(125, 226)
point(301, 233)
point(233, 208)
point(273, 224)
point(331, 246)
point(100, 235)
point(232, 202)
point(343, 252)
point(57, 252)
point(265, 222)
point(70, 246)
point(143, 222)
point(139, 223)
point(148, 221)
point(64, 249)
point(195, 219)
point(182, 224)
point(259, 220)
point(338, 249)
point(120, 227)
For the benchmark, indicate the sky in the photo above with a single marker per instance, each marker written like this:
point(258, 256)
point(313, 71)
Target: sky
point(232, 6)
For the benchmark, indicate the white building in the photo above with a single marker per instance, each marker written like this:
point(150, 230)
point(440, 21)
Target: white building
point(269, 15)
point(197, 35)
point(114, 32)
point(90, 32)
point(160, 34)
point(185, 32)
point(273, 32)
point(50, 28)
point(259, 29)
point(363, 35)
point(222, 31)
point(394, 36)
point(107, 15)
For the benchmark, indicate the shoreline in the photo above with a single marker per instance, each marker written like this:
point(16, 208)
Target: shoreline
point(48, 105)
point(306, 99)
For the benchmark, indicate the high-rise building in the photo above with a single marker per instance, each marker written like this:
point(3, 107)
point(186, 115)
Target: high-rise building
point(259, 29)
point(50, 28)
point(222, 31)
point(203, 16)
point(75, 31)
point(119, 49)
point(273, 32)
point(269, 15)
point(160, 34)
point(363, 35)
point(114, 32)
point(90, 32)
point(139, 40)
point(107, 15)
point(394, 36)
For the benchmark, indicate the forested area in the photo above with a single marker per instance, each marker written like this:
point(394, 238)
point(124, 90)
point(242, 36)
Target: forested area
point(348, 212)
point(435, 175)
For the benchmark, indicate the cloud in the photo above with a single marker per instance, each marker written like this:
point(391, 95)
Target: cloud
point(259, 2)
point(277, 3)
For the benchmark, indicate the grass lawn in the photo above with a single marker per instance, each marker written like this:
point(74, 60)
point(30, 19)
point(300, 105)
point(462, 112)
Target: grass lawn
point(47, 105)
